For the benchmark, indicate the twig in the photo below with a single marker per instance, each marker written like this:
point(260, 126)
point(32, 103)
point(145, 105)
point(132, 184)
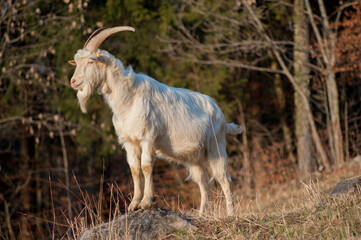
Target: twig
point(66, 168)
point(52, 206)
point(7, 217)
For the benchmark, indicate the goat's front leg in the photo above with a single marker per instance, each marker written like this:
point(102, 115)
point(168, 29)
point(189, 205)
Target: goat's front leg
point(133, 158)
point(147, 162)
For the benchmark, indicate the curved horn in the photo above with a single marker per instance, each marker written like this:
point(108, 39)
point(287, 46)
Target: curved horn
point(99, 35)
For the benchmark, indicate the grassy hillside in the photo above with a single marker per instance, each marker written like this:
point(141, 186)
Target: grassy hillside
point(293, 211)
point(317, 217)
point(297, 210)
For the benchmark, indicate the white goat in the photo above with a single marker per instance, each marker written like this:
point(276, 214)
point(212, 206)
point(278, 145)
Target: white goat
point(153, 120)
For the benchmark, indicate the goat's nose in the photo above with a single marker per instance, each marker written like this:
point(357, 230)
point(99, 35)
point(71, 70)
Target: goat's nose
point(73, 80)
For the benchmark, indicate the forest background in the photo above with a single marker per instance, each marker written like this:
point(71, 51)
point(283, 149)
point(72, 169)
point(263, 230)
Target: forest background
point(287, 71)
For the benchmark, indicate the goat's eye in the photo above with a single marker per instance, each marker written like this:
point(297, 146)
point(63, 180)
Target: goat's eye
point(90, 62)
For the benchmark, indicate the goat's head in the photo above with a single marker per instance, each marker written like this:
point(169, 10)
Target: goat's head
point(91, 64)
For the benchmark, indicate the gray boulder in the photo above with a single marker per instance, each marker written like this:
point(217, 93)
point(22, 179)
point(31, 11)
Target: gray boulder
point(147, 224)
point(347, 186)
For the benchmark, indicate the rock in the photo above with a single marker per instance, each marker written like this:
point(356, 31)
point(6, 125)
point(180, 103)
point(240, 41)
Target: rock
point(141, 224)
point(347, 186)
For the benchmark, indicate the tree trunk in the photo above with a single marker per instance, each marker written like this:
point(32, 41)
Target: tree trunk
point(302, 78)
point(281, 99)
point(332, 95)
point(329, 56)
point(315, 136)
point(246, 161)
point(327, 45)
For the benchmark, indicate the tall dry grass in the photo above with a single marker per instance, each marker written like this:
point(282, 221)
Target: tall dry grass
point(308, 213)
point(293, 211)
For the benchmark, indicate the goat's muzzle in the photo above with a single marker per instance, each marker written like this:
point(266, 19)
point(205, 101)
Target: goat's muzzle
point(74, 84)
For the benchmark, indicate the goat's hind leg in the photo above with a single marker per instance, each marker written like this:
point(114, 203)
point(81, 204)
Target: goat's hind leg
point(133, 158)
point(218, 165)
point(199, 175)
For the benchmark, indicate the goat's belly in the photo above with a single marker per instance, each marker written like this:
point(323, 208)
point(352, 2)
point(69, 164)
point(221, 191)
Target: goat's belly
point(186, 154)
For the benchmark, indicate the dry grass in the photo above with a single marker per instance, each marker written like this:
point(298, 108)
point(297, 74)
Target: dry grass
point(292, 211)
point(317, 216)
point(92, 213)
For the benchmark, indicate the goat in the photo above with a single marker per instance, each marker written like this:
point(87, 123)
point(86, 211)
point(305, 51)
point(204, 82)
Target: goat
point(153, 120)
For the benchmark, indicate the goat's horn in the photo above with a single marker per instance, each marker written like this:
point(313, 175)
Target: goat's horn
point(99, 35)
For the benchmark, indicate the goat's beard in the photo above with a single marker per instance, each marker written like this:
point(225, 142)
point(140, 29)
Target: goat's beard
point(83, 96)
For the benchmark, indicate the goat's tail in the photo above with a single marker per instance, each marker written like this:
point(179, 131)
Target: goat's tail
point(234, 129)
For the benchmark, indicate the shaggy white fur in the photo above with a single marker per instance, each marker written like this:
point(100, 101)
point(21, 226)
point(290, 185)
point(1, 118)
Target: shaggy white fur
point(153, 120)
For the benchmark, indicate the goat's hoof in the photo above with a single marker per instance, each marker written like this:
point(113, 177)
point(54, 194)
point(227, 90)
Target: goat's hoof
point(146, 203)
point(134, 205)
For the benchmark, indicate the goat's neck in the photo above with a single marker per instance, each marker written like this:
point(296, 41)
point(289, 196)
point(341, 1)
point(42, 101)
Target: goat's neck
point(120, 83)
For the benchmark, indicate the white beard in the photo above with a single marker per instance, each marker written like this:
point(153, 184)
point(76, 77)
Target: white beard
point(83, 96)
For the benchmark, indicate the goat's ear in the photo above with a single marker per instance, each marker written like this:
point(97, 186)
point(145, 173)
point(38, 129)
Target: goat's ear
point(72, 62)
